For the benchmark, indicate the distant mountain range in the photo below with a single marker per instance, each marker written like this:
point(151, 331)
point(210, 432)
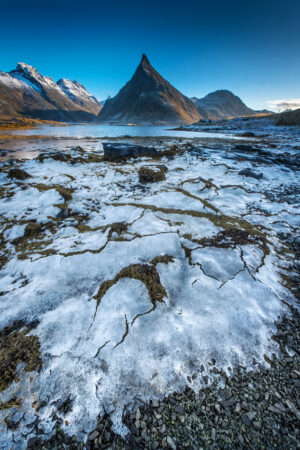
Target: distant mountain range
point(25, 92)
point(146, 99)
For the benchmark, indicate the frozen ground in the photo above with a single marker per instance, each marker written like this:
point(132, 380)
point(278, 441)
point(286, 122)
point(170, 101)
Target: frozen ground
point(133, 290)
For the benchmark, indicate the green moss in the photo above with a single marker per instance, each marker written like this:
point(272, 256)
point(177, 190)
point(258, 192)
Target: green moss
point(18, 174)
point(17, 347)
point(143, 272)
point(148, 174)
point(12, 403)
point(161, 259)
point(32, 229)
point(66, 193)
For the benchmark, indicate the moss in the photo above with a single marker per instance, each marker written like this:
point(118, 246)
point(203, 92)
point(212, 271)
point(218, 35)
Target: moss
point(12, 403)
point(32, 229)
point(66, 193)
point(219, 220)
point(143, 272)
point(229, 238)
point(18, 174)
point(151, 174)
point(161, 259)
point(117, 227)
point(17, 347)
point(82, 228)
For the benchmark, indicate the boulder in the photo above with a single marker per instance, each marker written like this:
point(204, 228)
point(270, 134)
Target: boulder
point(152, 174)
point(18, 174)
point(120, 152)
point(250, 173)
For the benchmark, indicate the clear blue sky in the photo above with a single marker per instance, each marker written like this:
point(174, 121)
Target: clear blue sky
point(249, 47)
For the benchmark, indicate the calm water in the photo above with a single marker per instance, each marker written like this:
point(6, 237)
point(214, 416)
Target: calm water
point(100, 131)
point(28, 143)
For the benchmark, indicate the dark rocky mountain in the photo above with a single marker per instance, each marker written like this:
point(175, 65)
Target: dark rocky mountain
point(148, 99)
point(289, 118)
point(222, 104)
point(25, 92)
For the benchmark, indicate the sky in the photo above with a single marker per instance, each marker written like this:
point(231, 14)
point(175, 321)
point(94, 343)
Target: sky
point(249, 47)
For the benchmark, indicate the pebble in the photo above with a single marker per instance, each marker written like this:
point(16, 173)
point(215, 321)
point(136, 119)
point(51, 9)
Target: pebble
point(171, 443)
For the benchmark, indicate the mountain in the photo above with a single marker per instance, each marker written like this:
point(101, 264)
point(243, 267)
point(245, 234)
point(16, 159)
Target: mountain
point(222, 104)
point(148, 99)
point(25, 92)
point(290, 118)
point(79, 95)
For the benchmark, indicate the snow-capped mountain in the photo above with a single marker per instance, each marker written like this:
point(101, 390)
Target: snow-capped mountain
point(79, 95)
point(25, 92)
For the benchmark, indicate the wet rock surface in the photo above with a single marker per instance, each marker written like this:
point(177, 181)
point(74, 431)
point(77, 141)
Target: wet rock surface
point(121, 151)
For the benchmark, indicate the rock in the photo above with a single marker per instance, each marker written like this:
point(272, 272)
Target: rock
point(154, 445)
point(275, 410)
point(247, 134)
point(250, 173)
point(179, 409)
point(163, 429)
point(93, 435)
point(246, 420)
point(18, 174)
point(171, 443)
point(251, 415)
point(244, 147)
point(257, 424)
point(138, 414)
point(115, 151)
point(151, 174)
point(33, 441)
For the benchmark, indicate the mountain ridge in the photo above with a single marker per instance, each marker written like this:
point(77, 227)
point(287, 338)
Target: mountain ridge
point(27, 93)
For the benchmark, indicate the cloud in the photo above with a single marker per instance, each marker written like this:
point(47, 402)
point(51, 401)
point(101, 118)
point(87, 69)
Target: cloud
point(281, 105)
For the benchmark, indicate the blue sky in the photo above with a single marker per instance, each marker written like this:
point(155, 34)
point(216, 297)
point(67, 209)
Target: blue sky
point(249, 47)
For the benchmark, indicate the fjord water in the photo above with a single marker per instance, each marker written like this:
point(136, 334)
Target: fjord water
point(100, 131)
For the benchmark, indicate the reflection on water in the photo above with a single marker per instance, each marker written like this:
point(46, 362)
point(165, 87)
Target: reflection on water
point(27, 144)
point(98, 131)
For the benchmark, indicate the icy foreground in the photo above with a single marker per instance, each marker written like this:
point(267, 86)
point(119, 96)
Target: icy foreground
point(130, 290)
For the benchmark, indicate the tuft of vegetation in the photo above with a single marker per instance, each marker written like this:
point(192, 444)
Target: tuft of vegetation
point(151, 174)
point(16, 347)
point(18, 174)
point(143, 272)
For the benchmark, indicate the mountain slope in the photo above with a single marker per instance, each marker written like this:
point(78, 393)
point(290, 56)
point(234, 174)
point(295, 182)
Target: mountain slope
point(25, 92)
point(221, 104)
point(79, 95)
point(148, 98)
point(289, 118)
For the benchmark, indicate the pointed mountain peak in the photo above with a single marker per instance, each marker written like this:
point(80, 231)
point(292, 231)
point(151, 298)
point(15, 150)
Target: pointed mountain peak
point(145, 61)
point(148, 98)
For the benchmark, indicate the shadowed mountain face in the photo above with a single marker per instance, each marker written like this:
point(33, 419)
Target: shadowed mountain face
point(25, 92)
point(290, 118)
point(221, 104)
point(149, 99)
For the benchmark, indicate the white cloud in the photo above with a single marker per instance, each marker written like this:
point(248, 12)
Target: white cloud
point(281, 105)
